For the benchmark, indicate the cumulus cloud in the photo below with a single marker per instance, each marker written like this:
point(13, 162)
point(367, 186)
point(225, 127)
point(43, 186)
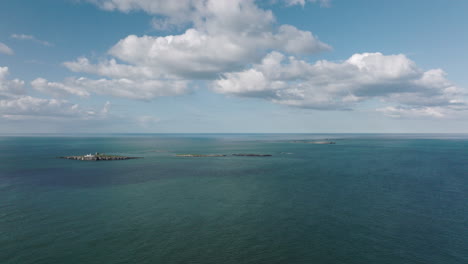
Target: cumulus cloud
point(57, 89)
point(134, 89)
point(197, 54)
point(112, 69)
point(170, 13)
point(181, 9)
point(5, 49)
point(31, 38)
point(303, 2)
point(168, 8)
point(126, 88)
point(10, 87)
point(226, 35)
point(398, 112)
point(26, 107)
point(240, 48)
point(341, 86)
point(163, 24)
point(15, 104)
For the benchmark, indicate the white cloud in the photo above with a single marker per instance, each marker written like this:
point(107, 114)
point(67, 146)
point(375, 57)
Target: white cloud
point(112, 69)
point(31, 38)
point(181, 10)
point(163, 24)
point(184, 11)
point(196, 54)
point(295, 41)
point(398, 112)
point(226, 35)
point(5, 49)
point(330, 85)
point(303, 2)
point(16, 105)
point(32, 108)
point(134, 89)
point(27, 106)
point(10, 87)
point(229, 38)
point(126, 88)
point(57, 89)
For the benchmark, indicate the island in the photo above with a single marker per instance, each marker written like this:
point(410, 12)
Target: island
point(320, 142)
point(221, 155)
point(252, 155)
point(98, 157)
point(200, 155)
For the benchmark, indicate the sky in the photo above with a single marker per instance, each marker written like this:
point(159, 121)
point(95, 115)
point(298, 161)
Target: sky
point(233, 66)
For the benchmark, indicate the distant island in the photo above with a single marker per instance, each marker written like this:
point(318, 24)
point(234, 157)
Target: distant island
point(323, 142)
point(252, 155)
point(222, 155)
point(200, 155)
point(99, 156)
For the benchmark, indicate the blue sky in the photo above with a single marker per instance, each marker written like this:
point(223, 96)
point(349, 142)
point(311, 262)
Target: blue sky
point(233, 66)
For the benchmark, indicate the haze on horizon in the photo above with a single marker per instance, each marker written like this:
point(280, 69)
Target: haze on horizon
point(232, 66)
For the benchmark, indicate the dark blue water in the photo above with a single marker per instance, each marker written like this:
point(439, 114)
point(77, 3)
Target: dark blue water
point(367, 199)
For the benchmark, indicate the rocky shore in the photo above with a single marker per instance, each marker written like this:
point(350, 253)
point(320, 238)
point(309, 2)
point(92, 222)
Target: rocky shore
point(222, 155)
point(252, 155)
point(323, 142)
point(200, 155)
point(98, 157)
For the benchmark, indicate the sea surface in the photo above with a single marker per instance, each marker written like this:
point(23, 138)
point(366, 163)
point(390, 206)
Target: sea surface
point(366, 199)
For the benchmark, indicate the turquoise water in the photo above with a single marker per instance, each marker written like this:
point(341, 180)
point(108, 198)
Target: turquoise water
point(367, 199)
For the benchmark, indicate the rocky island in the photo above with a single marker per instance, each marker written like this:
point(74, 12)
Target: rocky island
point(200, 155)
point(252, 155)
point(321, 142)
point(222, 155)
point(99, 156)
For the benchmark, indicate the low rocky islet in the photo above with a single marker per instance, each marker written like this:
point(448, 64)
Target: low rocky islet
point(98, 157)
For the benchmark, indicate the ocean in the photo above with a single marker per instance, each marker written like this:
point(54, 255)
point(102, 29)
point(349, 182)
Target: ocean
point(369, 198)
